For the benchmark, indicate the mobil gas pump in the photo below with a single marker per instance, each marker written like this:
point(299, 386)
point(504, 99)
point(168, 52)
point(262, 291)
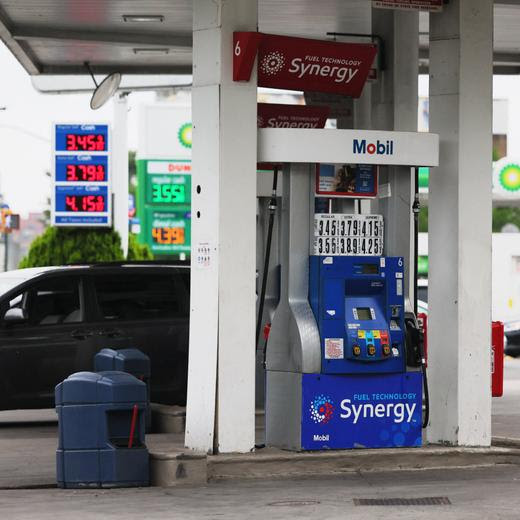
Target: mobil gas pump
point(342, 366)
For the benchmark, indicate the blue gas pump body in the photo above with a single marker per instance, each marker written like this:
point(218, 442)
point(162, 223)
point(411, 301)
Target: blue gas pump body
point(364, 397)
point(358, 303)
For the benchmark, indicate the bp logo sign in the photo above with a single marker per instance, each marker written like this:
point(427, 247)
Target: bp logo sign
point(184, 135)
point(510, 177)
point(506, 177)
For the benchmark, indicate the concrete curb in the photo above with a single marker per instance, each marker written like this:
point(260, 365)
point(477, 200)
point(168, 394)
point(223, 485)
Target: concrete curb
point(168, 419)
point(178, 468)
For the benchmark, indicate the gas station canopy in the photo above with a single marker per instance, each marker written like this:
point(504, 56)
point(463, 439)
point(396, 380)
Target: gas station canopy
point(51, 37)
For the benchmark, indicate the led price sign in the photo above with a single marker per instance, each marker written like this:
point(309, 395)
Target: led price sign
point(168, 235)
point(81, 199)
point(81, 138)
point(81, 168)
point(168, 189)
point(168, 193)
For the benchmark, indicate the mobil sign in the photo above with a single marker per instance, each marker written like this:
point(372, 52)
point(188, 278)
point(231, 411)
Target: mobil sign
point(303, 64)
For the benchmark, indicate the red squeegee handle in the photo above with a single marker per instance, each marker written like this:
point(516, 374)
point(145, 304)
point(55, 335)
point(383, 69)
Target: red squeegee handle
point(132, 425)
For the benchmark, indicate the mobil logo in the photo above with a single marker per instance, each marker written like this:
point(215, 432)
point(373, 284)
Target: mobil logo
point(360, 146)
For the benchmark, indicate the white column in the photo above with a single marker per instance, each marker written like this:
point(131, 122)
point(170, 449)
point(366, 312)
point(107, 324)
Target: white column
point(459, 322)
point(120, 168)
point(394, 107)
point(221, 381)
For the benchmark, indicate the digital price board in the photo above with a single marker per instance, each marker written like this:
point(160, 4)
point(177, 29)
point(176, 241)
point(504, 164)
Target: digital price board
point(168, 235)
point(168, 193)
point(81, 192)
point(348, 235)
point(81, 168)
point(81, 138)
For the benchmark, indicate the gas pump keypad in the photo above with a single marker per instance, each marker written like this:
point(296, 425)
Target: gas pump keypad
point(373, 343)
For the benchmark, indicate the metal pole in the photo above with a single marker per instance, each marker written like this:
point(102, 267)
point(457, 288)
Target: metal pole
point(6, 251)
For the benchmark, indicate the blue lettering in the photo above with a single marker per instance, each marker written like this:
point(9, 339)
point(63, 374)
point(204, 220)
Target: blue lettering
point(360, 146)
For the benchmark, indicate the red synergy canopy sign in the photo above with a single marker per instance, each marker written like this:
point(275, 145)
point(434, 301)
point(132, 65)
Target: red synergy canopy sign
point(302, 64)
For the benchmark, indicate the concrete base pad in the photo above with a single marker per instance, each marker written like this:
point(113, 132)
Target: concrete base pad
point(174, 468)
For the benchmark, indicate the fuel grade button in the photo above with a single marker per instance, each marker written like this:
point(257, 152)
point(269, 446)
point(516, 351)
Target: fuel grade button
point(356, 350)
point(386, 349)
point(371, 350)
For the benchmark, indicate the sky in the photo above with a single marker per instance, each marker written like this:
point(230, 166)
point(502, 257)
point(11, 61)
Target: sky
point(25, 132)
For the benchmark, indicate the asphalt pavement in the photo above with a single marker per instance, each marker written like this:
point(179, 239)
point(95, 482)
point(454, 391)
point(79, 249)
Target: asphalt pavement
point(27, 459)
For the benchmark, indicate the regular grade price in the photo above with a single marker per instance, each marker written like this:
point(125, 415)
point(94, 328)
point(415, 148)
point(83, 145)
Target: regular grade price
point(85, 142)
point(168, 193)
point(86, 173)
point(349, 227)
point(85, 203)
point(168, 235)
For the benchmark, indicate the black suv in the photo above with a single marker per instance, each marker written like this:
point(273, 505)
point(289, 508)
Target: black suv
point(54, 319)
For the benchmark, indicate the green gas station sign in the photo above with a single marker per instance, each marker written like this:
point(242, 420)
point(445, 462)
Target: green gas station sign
point(164, 205)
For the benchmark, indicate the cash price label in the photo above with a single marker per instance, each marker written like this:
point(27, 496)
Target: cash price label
point(348, 235)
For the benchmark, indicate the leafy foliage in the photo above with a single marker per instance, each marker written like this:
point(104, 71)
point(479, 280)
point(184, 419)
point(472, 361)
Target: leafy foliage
point(62, 246)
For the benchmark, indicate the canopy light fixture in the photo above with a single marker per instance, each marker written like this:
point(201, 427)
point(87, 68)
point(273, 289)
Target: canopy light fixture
point(143, 18)
point(152, 51)
point(104, 90)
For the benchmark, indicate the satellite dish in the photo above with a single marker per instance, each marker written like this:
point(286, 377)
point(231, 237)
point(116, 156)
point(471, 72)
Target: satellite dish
point(105, 90)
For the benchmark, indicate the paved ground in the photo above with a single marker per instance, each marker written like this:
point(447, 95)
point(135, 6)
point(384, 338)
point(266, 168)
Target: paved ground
point(27, 458)
point(474, 494)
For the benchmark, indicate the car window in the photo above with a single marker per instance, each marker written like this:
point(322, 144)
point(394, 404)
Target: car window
point(139, 296)
point(49, 302)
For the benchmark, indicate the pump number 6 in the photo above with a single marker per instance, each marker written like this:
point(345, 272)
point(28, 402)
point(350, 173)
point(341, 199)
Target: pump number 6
point(400, 262)
point(238, 50)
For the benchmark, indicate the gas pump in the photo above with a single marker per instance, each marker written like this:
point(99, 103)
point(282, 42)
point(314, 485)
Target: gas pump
point(341, 366)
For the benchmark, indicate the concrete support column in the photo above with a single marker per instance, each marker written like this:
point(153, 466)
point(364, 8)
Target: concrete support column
point(394, 107)
point(221, 375)
point(459, 322)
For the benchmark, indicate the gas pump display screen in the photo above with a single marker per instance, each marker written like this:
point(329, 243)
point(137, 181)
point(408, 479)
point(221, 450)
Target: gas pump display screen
point(81, 138)
point(363, 313)
point(368, 268)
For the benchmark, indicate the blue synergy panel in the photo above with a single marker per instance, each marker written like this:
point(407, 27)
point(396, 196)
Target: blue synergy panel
point(363, 411)
point(358, 303)
point(81, 138)
point(82, 168)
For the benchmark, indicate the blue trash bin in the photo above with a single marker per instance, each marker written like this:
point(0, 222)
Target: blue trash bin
point(129, 360)
point(101, 418)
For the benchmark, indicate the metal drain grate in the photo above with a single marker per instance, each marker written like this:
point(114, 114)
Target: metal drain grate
point(424, 501)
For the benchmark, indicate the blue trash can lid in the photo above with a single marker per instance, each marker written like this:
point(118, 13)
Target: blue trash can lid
point(130, 360)
point(101, 387)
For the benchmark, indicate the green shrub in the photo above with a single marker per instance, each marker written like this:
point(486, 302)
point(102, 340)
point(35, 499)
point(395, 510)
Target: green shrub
point(61, 246)
point(137, 251)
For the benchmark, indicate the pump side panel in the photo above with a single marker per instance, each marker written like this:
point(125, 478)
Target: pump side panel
point(361, 411)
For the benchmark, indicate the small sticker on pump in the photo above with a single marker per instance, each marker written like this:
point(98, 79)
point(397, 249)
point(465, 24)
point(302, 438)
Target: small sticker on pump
point(382, 261)
point(334, 348)
point(328, 260)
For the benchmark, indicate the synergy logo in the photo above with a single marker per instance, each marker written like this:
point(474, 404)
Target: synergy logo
point(321, 409)
point(378, 148)
point(272, 63)
point(184, 135)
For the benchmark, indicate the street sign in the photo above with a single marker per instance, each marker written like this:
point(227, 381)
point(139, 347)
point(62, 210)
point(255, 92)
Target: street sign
point(81, 176)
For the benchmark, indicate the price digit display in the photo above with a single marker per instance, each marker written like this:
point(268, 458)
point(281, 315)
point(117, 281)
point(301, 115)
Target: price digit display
point(85, 142)
point(86, 173)
point(168, 235)
point(168, 193)
point(85, 203)
point(348, 235)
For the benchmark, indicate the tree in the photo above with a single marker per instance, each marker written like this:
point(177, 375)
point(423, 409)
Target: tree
point(61, 246)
